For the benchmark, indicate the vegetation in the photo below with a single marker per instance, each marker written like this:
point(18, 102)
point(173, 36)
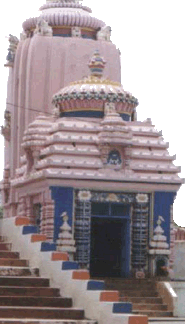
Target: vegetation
point(1, 212)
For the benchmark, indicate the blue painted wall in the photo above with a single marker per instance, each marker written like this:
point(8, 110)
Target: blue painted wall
point(83, 113)
point(125, 117)
point(162, 202)
point(63, 197)
point(90, 113)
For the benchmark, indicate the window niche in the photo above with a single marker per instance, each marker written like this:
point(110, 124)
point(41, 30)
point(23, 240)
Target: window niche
point(114, 158)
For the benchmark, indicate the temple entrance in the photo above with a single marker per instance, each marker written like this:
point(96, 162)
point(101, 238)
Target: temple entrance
point(110, 242)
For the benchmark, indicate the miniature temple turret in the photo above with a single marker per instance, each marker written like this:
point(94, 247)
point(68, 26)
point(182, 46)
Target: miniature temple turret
point(13, 43)
point(65, 241)
point(159, 248)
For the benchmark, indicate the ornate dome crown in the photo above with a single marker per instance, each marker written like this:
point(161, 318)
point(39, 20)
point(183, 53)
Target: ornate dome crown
point(87, 97)
point(65, 13)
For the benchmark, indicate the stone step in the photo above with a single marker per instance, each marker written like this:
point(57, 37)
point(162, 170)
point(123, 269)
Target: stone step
point(18, 271)
point(150, 307)
point(138, 293)
point(13, 262)
point(41, 312)
point(142, 294)
point(24, 281)
point(5, 246)
point(35, 301)
point(143, 300)
point(153, 313)
point(130, 281)
point(27, 298)
point(129, 287)
point(45, 321)
point(9, 255)
point(29, 291)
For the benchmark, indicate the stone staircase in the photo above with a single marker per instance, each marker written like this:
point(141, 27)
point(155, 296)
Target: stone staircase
point(27, 298)
point(142, 294)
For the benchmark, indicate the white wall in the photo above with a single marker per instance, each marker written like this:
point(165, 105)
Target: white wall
point(179, 262)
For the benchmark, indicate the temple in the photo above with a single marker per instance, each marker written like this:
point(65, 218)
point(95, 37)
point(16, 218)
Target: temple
point(94, 180)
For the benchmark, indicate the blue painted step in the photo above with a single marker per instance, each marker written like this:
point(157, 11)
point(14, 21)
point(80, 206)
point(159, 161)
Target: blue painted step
point(47, 246)
point(119, 308)
point(29, 229)
point(95, 285)
point(70, 265)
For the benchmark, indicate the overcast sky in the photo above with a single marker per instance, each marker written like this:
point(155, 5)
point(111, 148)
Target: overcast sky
point(150, 36)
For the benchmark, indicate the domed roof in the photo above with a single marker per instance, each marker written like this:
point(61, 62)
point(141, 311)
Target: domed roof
point(65, 13)
point(93, 92)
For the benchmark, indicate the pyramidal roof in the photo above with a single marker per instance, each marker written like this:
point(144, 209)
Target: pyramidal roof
point(102, 149)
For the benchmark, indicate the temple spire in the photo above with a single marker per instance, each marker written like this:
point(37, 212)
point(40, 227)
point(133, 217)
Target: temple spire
point(97, 64)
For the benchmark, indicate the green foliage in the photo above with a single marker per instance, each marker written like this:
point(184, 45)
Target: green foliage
point(1, 212)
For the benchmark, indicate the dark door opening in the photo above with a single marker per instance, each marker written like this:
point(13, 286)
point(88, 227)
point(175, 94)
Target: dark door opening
point(108, 247)
point(37, 215)
point(161, 270)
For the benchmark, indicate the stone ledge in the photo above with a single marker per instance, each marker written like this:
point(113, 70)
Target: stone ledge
point(138, 319)
point(81, 275)
point(110, 296)
point(38, 238)
point(59, 256)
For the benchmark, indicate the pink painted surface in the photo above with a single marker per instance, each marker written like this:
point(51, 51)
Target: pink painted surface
point(43, 65)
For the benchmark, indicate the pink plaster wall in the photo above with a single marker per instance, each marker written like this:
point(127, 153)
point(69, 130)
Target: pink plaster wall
point(43, 65)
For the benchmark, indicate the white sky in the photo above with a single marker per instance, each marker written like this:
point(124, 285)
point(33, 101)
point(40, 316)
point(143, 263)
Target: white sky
point(150, 36)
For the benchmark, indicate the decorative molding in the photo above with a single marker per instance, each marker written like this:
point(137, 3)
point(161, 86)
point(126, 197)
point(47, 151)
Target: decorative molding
point(13, 43)
point(6, 130)
point(23, 36)
point(108, 196)
point(109, 108)
point(43, 28)
point(97, 95)
point(104, 34)
point(142, 198)
point(104, 149)
point(76, 32)
point(21, 211)
point(84, 195)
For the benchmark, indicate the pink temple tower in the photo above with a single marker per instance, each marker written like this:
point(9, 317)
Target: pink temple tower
point(50, 54)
